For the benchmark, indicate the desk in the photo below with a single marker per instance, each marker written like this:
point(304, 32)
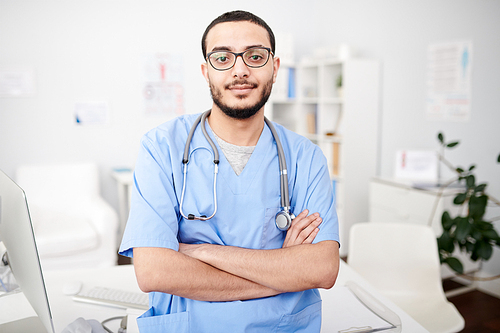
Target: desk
point(65, 310)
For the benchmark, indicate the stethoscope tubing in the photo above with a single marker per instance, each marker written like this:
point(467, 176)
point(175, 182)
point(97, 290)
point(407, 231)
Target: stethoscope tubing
point(284, 197)
point(283, 170)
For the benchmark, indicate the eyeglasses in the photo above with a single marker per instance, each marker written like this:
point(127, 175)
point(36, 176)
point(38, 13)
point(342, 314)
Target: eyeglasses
point(255, 57)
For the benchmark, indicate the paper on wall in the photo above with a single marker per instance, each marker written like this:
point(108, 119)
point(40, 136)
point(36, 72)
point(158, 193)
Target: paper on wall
point(449, 81)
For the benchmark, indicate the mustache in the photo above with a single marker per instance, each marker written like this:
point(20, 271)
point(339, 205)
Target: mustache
point(239, 83)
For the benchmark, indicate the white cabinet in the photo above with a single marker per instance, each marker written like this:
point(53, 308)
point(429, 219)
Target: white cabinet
point(345, 125)
point(399, 201)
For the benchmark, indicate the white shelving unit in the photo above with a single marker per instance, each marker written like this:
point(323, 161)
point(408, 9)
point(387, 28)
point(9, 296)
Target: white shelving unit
point(306, 100)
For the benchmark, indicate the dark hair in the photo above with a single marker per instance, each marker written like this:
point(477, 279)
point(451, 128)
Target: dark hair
point(235, 16)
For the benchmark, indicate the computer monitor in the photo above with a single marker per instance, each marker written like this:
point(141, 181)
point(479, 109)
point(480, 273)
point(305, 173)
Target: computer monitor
point(16, 232)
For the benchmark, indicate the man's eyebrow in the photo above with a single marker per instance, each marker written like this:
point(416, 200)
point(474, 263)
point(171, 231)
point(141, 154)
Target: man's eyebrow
point(227, 48)
point(221, 48)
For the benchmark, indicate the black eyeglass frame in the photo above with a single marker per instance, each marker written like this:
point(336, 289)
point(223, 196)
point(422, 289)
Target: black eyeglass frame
point(236, 55)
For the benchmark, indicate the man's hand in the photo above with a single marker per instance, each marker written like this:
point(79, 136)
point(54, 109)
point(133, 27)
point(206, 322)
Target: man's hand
point(303, 229)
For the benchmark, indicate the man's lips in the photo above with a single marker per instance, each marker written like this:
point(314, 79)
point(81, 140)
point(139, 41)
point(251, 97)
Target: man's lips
point(241, 87)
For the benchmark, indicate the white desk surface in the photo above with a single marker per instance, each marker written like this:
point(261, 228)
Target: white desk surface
point(65, 310)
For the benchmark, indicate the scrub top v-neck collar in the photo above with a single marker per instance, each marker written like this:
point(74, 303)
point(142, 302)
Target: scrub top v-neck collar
point(240, 184)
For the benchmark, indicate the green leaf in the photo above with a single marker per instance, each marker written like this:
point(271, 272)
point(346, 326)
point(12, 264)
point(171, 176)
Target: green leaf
point(477, 206)
point(463, 228)
point(484, 225)
point(491, 234)
point(445, 242)
point(452, 144)
point(484, 250)
point(471, 181)
point(480, 188)
point(454, 264)
point(498, 159)
point(460, 170)
point(476, 234)
point(441, 137)
point(472, 167)
point(447, 221)
point(460, 199)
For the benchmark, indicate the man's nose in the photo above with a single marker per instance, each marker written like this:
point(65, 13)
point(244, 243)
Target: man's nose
point(240, 69)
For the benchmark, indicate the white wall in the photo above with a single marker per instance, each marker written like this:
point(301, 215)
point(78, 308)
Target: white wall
point(86, 51)
point(398, 33)
point(91, 51)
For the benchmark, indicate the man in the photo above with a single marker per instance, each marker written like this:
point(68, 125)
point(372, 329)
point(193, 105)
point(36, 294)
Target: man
point(234, 271)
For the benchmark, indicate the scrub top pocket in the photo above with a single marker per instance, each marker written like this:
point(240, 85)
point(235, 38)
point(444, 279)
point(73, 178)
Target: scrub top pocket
point(272, 237)
point(305, 321)
point(175, 322)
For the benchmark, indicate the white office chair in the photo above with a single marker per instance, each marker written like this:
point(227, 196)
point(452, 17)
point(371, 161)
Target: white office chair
point(402, 262)
point(74, 227)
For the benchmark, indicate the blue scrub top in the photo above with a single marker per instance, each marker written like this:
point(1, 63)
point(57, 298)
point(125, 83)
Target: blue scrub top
point(247, 205)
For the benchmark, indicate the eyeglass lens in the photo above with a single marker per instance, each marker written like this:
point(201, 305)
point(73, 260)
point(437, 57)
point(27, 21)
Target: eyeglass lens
point(256, 57)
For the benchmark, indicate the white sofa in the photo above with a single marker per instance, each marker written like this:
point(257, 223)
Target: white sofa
point(74, 226)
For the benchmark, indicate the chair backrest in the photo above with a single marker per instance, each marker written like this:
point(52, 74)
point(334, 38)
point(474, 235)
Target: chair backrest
point(48, 184)
point(396, 258)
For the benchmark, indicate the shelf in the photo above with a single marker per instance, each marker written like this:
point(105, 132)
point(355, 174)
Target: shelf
point(314, 100)
point(286, 101)
point(319, 108)
point(324, 138)
point(333, 100)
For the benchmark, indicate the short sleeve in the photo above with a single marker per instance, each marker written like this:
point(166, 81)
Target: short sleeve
point(314, 191)
point(153, 218)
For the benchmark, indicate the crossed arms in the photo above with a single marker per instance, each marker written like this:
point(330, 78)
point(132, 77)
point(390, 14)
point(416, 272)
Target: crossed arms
point(210, 272)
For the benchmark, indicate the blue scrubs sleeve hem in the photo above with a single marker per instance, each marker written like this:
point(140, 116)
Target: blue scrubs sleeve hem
point(324, 237)
point(126, 247)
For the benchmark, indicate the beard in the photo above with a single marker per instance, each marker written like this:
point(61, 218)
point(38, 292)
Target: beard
point(244, 112)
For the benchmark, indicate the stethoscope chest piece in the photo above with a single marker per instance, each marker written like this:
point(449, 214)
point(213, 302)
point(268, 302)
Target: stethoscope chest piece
point(284, 220)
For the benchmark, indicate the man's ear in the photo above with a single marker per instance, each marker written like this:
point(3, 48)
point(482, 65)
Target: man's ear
point(204, 71)
point(276, 66)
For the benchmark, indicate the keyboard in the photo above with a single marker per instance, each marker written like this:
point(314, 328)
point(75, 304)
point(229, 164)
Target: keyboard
point(114, 298)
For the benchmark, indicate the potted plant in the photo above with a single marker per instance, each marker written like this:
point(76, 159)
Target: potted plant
point(468, 230)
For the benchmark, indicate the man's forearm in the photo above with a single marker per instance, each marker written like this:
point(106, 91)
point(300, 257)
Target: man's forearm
point(168, 271)
point(295, 268)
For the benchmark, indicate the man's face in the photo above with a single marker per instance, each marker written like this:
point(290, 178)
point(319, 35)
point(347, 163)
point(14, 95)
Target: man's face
point(241, 91)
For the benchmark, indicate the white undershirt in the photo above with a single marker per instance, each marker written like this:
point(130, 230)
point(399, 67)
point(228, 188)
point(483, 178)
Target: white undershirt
point(237, 156)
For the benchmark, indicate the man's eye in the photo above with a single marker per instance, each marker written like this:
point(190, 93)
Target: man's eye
point(220, 57)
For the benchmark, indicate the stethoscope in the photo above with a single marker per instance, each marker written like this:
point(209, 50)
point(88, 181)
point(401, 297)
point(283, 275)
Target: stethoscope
point(283, 218)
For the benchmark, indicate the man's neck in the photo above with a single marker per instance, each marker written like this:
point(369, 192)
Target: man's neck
point(240, 132)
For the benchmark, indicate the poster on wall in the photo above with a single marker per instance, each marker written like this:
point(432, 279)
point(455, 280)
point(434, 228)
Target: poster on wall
point(17, 82)
point(163, 89)
point(91, 113)
point(449, 70)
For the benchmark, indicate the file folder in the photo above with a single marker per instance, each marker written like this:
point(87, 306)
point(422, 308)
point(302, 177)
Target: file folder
point(351, 309)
